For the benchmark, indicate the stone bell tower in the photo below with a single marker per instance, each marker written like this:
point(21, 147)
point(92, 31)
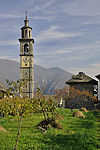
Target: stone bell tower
point(26, 59)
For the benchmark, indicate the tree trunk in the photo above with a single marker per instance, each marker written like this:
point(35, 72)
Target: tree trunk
point(43, 110)
point(18, 134)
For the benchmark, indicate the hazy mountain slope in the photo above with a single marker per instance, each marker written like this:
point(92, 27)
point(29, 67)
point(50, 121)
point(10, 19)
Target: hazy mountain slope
point(50, 79)
point(8, 70)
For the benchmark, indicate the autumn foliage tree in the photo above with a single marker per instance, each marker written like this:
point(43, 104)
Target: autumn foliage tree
point(71, 92)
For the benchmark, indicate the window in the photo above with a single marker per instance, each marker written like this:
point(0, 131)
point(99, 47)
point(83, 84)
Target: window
point(26, 49)
point(29, 33)
point(22, 34)
point(26, 33)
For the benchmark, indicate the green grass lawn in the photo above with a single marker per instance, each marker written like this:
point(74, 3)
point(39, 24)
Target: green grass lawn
point(97, 120)
point(77, 133)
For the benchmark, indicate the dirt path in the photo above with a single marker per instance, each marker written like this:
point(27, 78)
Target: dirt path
point(97, 115)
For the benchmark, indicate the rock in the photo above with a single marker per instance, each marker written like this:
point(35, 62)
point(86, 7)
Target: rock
point(78, 114)
point(84, 109)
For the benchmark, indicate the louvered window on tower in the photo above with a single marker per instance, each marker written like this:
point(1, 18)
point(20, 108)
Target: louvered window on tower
point(26, 49)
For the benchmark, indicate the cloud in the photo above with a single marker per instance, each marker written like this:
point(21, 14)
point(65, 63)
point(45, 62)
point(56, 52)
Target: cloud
point(42, 17)
point(91, 20)
point(55, 52)
point(10, 16)
point(44, 5)
point(82, 8)
point(53, 34)
point(65, 31)
point(47, 4)
point(85, 53)
point(8, 42)
point(91, 70)
point(76, 52)
point(80, 57)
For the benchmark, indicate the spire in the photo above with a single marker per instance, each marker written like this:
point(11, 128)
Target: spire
point(26, 14)
point(26, 21)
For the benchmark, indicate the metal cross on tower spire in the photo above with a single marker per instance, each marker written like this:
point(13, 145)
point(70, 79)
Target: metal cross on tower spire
point(26, 14)
point(26, 21)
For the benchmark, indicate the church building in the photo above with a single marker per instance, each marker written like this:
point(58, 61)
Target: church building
point(26, 59)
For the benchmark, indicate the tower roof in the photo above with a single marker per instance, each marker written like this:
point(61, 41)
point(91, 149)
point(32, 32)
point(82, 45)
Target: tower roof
point(81, 78)
point(26, 22)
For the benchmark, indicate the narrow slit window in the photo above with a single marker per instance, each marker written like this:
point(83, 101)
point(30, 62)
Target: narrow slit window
point(22, 34)
point(29, 33)
point(26, 33)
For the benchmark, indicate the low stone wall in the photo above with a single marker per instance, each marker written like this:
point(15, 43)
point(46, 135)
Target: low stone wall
point(79, 102)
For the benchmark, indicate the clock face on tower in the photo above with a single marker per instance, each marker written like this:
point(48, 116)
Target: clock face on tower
point(25, 61)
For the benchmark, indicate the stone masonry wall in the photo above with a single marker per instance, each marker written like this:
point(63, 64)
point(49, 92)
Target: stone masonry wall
point(84, 87)
point(79, 102)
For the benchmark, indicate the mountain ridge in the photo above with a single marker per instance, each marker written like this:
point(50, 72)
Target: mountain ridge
point(49, 78)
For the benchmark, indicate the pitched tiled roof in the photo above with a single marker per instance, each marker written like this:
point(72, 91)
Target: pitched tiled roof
point(98, 76)
point(81, 78)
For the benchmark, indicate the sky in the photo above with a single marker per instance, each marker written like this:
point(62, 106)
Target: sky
point(66, 32)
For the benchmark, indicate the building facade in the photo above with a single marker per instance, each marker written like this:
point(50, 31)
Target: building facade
point(82, 82)
point(26, 59)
